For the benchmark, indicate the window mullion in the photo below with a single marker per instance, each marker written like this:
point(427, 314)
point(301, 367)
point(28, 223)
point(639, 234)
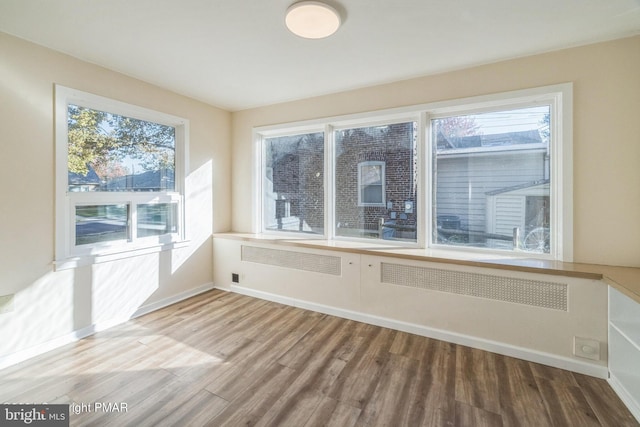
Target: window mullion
point(329, 181)
point(423, 177)
point(133, 221)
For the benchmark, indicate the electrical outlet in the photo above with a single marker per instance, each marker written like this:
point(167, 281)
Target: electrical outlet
point(235, 277)
point(587, 348)
point(6, 303)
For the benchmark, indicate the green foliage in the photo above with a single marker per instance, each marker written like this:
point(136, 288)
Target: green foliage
point(88, 141)
point(104, 140)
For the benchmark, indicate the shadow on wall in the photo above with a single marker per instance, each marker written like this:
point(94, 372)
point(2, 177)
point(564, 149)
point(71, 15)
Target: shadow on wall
point(58, 306)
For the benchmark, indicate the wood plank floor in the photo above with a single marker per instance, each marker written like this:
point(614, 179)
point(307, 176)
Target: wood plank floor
point(223, 359)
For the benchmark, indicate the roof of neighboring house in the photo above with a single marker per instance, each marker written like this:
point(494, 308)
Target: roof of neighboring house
point(91, 178)
point(507, 139)
point(149, 180)
point(512, 188)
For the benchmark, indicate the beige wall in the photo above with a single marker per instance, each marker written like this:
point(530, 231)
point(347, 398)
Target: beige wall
point(48, 304)
point(606, 133)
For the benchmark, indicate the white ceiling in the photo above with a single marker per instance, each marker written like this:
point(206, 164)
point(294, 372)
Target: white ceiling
point(237, 54)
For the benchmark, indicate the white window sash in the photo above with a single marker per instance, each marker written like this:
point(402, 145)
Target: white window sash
point(559, 97)
point(362, 202)
point(67, 253)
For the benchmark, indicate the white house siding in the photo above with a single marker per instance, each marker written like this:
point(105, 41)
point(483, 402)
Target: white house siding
point(463, 181)
point(509, 213)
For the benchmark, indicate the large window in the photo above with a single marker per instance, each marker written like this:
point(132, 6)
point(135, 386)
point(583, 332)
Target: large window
point(293, 183)
point(119, 179)
point(487, 174)
point(374, 178)
point(492, 180)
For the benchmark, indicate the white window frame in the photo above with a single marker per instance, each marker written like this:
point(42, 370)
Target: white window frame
point(559, 97)
point(364, 120)
point(67, 253)
point(559, 100)
point(259, 172)
point(383, 186)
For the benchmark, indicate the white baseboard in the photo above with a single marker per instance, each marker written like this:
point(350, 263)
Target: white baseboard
point(632, 404)
point(505, 349)
point(28, 353)
point(172, 300)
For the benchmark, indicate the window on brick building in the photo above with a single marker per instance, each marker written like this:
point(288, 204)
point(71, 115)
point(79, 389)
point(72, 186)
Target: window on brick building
point(371, 184)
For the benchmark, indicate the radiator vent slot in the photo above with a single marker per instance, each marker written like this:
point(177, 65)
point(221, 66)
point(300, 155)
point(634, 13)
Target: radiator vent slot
point(521, 291)
point(289, 259)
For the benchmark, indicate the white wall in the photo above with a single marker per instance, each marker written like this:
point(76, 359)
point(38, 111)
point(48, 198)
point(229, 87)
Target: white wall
point(606, 133)
point(50, 305)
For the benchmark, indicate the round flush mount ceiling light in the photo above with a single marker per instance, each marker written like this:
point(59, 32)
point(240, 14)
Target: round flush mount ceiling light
point(312, 19)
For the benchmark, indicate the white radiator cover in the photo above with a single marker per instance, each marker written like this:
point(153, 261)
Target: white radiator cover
point(326, 264)
point(521, 291)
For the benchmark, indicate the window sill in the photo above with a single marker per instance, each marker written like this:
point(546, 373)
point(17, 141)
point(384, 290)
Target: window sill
point(80, 261)
point(625, 279)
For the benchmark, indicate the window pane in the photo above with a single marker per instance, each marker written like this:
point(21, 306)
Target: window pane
point(101, 223)
point(372, 194)
point(491, 177)
point(294, 183)
point(371, 181)
point(376, 182)
point(157, 219)
point(371, 174)
point(108, 152)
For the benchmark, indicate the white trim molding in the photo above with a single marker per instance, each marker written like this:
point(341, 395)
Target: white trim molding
point(557, 154)
point(67, 251)
point(632, 404)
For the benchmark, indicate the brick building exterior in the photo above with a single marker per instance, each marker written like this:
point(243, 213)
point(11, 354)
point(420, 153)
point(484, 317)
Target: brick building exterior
point(395, 146)
point(380, 161)
point(295, 175)
point(296, 166)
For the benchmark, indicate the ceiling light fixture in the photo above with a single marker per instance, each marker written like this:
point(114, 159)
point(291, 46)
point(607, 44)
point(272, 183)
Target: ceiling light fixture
point(312, 19)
